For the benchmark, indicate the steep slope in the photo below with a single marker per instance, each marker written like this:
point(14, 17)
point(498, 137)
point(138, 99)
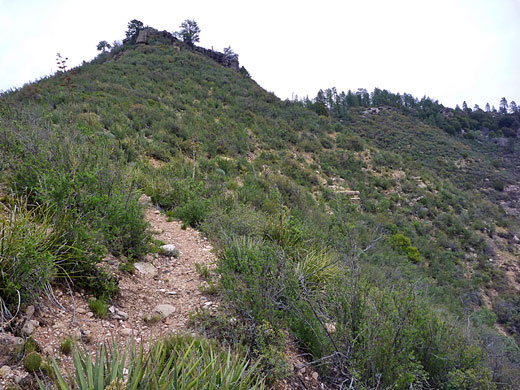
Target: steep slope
point(360, 238)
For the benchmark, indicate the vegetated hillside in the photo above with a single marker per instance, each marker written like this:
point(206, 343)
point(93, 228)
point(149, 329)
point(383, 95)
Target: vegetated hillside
point(373, 242)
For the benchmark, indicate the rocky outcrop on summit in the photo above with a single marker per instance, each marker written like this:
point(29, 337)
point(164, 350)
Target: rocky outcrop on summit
point(150, 35)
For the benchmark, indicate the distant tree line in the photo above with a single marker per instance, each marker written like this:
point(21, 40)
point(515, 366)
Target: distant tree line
point(502, 122)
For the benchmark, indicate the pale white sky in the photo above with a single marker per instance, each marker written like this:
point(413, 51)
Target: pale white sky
point(451, 50)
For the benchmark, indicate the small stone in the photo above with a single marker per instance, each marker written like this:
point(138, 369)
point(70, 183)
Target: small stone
point(76, 335)
point(315, 375)
point(122, 314)
point(90, 314)
point(169, 250)
point(157, 212)
point(127, 332)
point(164, 310)
point(81, 310)
point(146, 269)
point(172, 293)
point(208, 303)
point(29, 312)
point(112, 309)
point(28, 328)
point(48, 350)
point(5, 372)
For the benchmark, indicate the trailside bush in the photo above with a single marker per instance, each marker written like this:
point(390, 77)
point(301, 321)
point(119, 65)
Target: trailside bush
point(193, 212)
point(29, 251)
point(402, 244)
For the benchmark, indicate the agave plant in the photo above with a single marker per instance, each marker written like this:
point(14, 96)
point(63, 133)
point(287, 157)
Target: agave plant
point(176, 362)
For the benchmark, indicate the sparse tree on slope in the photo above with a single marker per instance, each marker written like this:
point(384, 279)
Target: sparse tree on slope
point(189, 32)
point(103, 46)
point(230, 54)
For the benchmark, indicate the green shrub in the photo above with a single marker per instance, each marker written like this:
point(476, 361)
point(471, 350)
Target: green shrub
point(316, 269)
point(98, 307)
point(32, 361)
point(31, 345)
point(203, 271)
point(402, 244)
point(193, 212)
point(498, 185)
point(66, 345)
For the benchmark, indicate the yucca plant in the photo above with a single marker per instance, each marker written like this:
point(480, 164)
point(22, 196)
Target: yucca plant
point(316, 268)
point(176, 362)
point(28, 250)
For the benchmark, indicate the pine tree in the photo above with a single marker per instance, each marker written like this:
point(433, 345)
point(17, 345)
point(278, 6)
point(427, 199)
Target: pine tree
point(503, 106)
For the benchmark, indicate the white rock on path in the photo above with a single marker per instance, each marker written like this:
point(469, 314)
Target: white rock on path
point(164, 310)
point(169, 250)
point(147, 269)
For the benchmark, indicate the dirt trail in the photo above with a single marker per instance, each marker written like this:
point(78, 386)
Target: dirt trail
point(174, 281)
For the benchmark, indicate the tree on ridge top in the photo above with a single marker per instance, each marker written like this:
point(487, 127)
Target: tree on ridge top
point(134, 26)
point(189, 32)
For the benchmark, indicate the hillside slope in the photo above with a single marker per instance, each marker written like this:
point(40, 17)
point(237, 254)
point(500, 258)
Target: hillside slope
point(377, 243)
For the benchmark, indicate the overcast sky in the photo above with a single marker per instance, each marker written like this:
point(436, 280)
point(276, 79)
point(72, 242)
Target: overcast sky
point(451, 50)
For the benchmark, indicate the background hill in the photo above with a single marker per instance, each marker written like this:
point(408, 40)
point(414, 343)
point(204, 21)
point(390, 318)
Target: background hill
point(369, 229)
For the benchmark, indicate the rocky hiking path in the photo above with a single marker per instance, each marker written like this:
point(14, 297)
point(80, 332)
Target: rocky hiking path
point(156, 299)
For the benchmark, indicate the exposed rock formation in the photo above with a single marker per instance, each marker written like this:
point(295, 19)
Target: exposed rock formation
point(150, 35)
